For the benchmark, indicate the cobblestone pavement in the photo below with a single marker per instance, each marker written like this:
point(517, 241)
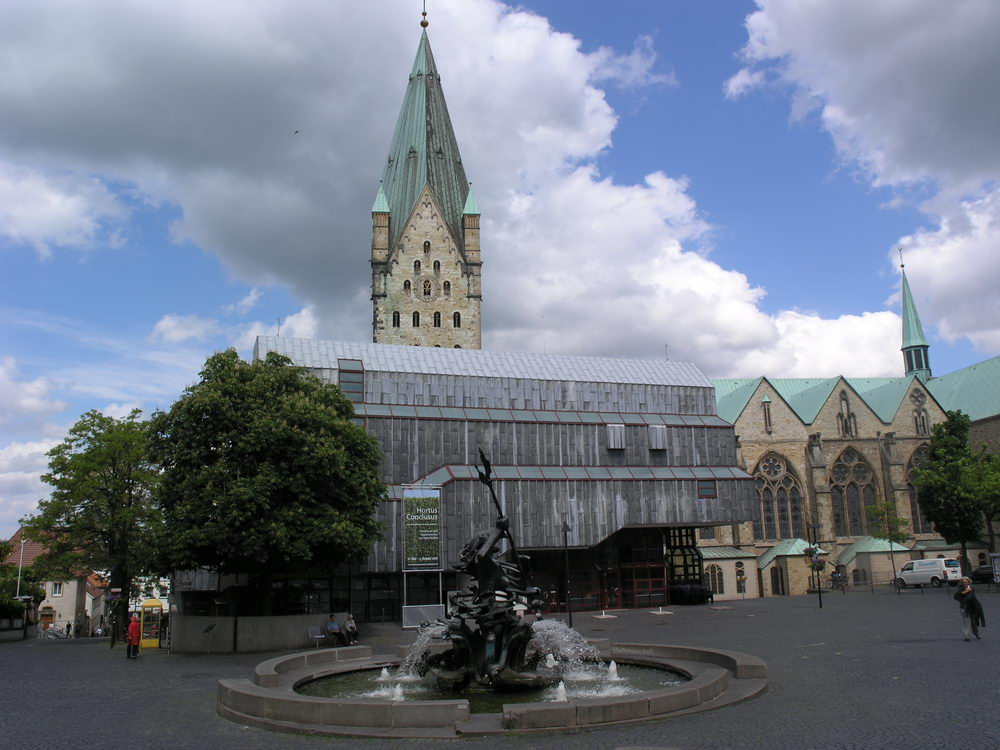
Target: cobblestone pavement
point(869, 670)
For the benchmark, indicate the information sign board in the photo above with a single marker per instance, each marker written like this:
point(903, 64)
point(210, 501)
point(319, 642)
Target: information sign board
point(422, 528)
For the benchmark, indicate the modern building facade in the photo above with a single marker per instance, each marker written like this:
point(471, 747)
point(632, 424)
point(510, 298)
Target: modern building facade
point(629, 454)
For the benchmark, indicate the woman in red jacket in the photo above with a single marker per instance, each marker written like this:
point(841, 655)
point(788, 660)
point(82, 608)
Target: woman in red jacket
point(132, 649)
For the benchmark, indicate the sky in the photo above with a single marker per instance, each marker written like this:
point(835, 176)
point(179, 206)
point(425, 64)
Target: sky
point(724, 183)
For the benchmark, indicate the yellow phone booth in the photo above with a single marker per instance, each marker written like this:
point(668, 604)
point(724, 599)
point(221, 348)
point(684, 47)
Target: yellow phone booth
point(151, 612)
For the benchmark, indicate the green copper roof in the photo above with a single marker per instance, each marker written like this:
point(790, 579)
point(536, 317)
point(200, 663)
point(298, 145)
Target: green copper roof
point(724, 553)
point(974, 389)
point(867, 544)
point(381, 205)
point(784, 547)
point(471, 207)
point(424, 151)
point(913, 332)
point(805, 396)
point(883, 395)
point(732, 395)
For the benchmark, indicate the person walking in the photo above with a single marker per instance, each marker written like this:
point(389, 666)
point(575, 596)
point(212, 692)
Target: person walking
point(132, 649)
point(972, 610)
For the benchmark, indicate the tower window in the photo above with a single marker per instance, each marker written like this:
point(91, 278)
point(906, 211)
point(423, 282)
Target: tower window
point(427, 246)
point(427, 288)
point(416, 266)
point(456, 347)
point(395, 320)
point(765, 407)
point(437, 320)
point(416, 320)
point(406, 286)
point(847, 423)
point(437, 266)
point(456, 320)
point(447, 288)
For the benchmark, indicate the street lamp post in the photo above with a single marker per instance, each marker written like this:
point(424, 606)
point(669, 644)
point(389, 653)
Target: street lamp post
point(20, 564)
point(812, 532)
point(569, 606)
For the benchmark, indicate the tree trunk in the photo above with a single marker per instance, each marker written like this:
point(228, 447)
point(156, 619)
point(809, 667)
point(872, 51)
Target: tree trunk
point(989, 530)
point(966, 569)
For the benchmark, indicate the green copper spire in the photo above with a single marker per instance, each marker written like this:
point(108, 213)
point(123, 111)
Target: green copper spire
point(471, 207)
point(424, 151)
point(915, 346)
point(381, 205)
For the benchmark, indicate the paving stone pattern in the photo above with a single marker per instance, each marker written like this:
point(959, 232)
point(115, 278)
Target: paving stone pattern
point(867, 671)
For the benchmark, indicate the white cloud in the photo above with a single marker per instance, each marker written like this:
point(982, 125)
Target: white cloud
point(907, 90)
point(197, 104)
point(21, 466)
point(741, 82)
point(174, 329)
point(24, 399)
point(245, 305)
point(42, 210)
point(121, 410)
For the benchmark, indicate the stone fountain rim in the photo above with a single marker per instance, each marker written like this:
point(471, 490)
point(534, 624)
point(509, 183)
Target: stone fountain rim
point(270, 700)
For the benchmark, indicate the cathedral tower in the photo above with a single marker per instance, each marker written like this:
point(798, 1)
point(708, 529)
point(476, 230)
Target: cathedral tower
point(425, 257)
point(915, 347)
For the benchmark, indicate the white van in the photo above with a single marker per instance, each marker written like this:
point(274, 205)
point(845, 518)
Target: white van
point(935, 572)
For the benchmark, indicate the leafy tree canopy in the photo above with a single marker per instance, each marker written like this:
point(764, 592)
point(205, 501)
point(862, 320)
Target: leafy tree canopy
point(100, 514)
point(944, 489)
point(264, 471)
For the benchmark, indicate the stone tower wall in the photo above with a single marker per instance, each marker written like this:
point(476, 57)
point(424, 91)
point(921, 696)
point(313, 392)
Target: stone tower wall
point(427, 241)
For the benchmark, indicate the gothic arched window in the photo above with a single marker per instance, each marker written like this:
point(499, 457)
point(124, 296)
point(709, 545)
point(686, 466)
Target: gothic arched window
point(437, 320)
point(395, 320)
point(406, 286)
point(427, 288)
point(437, 266)
point(852, 488)
point(427, 246)
point(919, 523)
point(416, 266)
point(780, 494)
point(847, 425)
point(416, 320)
point(456, 320)
point(447, 288)
point(713, 574)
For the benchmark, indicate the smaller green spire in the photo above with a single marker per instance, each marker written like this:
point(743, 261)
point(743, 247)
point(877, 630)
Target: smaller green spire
point(913, 332)
point(471, 207)
point(381, 205)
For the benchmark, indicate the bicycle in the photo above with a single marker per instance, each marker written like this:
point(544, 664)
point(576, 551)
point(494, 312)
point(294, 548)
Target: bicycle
point(838, 583)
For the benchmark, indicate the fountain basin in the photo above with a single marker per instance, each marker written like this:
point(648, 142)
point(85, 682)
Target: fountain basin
point(718, 678)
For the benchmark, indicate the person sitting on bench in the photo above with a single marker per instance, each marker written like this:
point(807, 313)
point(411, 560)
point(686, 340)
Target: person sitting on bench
point(333, 631)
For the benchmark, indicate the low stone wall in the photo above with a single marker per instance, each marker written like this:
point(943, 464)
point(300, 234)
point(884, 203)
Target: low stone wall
point(191, 633)
point(270, 700)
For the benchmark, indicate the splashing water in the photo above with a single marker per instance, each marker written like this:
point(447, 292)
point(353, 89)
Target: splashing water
point(613, 673)
point(397, 692)
point(556, 639)
point(560, 694)
point(408, 667)
point(384, 675)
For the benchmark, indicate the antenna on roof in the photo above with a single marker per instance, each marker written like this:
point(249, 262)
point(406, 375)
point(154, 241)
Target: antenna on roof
point(901, 263)
point(424, 23)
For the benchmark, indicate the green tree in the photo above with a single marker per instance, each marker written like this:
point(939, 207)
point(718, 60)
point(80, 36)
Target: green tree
point(984, 483)
point(944, 487)
point(264, 472)
point(885, 523)
point(100, 514)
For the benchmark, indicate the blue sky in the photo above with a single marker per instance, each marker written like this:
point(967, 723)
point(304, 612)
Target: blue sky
point(728, 179)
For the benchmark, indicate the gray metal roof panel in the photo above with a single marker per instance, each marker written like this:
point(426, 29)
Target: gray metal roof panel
point(477, 362)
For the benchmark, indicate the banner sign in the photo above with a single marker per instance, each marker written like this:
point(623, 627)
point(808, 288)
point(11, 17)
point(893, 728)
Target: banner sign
point(422, 528)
